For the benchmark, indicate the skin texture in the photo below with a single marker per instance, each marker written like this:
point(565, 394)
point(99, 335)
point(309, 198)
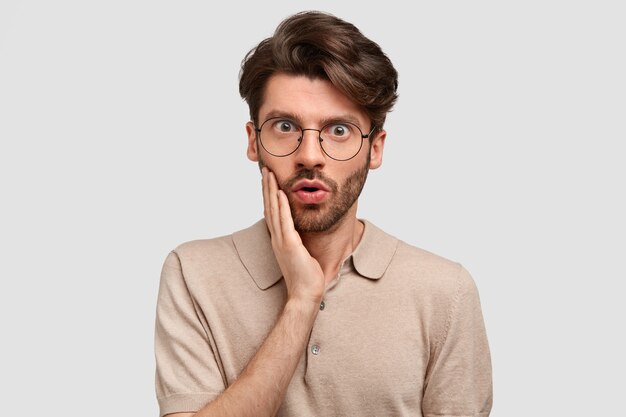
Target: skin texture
point(313, 101)
point(316, 218)
point(308, 247)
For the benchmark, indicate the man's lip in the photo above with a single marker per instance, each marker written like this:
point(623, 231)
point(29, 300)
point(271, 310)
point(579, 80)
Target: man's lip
point(311, 197)
point(309, 184)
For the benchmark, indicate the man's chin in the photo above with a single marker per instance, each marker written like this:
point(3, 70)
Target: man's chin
point(315, 220)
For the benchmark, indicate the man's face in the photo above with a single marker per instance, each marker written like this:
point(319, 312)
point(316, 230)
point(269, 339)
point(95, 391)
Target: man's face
point(321, 191)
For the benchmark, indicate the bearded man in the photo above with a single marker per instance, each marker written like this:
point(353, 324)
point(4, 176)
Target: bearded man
point(312, 311)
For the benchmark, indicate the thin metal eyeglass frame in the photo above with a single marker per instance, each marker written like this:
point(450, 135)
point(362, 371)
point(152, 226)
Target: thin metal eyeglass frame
point(319, 137)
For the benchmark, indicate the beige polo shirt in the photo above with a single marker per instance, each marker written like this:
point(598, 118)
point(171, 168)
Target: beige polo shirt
point(400, 331)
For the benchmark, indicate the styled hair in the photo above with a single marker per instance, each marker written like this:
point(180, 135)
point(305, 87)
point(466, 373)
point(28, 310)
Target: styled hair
point(320, 45)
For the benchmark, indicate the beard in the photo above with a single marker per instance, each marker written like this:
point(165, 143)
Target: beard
point(317, 218)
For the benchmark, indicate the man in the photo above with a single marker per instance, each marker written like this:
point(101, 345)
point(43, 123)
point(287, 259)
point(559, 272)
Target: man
point(311, 311)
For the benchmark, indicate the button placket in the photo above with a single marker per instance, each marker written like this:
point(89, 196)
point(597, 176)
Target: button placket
point(314, 338)
point(315, 348)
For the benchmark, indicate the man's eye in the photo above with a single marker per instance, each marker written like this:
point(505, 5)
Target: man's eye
point(339, 130)
point(285, 126)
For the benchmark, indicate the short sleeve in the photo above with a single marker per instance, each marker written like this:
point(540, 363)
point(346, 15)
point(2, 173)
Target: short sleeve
point(187, 373)
point(458, 382)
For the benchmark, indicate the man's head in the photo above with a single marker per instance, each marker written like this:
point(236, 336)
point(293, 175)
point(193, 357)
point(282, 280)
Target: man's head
point(317, 81)
point(319, 45)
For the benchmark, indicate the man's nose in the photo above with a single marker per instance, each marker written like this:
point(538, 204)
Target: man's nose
point(310, 153)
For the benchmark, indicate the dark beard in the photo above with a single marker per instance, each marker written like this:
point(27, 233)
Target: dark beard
point(317, 218)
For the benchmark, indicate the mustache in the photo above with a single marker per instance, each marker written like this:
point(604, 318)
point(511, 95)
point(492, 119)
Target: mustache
point(309, 174)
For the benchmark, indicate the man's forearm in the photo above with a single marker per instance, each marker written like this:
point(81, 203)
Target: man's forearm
point(261, 387)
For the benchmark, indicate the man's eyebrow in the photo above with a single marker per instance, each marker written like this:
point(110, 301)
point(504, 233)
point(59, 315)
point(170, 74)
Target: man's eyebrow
point(341, 118)
point(298, 118)
point(287, 115)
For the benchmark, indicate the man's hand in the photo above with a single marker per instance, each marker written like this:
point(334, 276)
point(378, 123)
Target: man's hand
point(260, 388)
point(303, 274)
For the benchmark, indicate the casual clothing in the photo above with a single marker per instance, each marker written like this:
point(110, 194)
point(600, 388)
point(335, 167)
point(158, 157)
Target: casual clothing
point(400, 331)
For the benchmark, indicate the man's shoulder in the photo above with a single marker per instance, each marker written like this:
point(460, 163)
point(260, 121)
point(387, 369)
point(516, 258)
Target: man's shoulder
point(428, 270)
point(202, 247)
point(219, 243)
point(403, 252)
point(214, 247)
point(414, 255)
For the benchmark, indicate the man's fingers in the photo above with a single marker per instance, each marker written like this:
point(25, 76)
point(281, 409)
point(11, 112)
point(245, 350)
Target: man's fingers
point(274, 209)
point(266, 199)
point(288, 229)
point(277, 211)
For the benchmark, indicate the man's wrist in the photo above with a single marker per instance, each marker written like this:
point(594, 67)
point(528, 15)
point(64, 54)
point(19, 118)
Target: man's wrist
point(302, 306)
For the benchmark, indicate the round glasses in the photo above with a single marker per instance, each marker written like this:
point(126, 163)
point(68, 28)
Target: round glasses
point(339, 140)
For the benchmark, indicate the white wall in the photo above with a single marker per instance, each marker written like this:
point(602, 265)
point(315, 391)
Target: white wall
point(122, 135)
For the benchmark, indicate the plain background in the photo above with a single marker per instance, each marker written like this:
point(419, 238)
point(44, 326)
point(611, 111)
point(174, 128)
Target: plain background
point(122, 135)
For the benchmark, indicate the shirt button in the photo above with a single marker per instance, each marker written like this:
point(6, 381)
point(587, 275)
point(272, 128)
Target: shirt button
point(322, 305)
point(315, 349)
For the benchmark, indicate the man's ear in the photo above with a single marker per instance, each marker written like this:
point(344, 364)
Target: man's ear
point(377, 147)
point(253, 151)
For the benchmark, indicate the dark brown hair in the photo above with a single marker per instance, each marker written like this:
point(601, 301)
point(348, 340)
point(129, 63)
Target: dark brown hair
point(320, 45)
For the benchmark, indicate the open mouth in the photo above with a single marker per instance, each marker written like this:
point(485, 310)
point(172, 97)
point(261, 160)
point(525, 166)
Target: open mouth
point(311, 192)
point(309, 189)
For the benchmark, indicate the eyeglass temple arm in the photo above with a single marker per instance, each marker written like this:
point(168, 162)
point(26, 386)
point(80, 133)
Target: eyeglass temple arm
point(369, 134)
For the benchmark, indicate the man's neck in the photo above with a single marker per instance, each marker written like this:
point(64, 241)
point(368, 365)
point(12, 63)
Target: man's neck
point(331, 248)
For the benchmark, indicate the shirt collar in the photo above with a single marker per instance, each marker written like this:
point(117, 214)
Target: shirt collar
point(371, 257)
